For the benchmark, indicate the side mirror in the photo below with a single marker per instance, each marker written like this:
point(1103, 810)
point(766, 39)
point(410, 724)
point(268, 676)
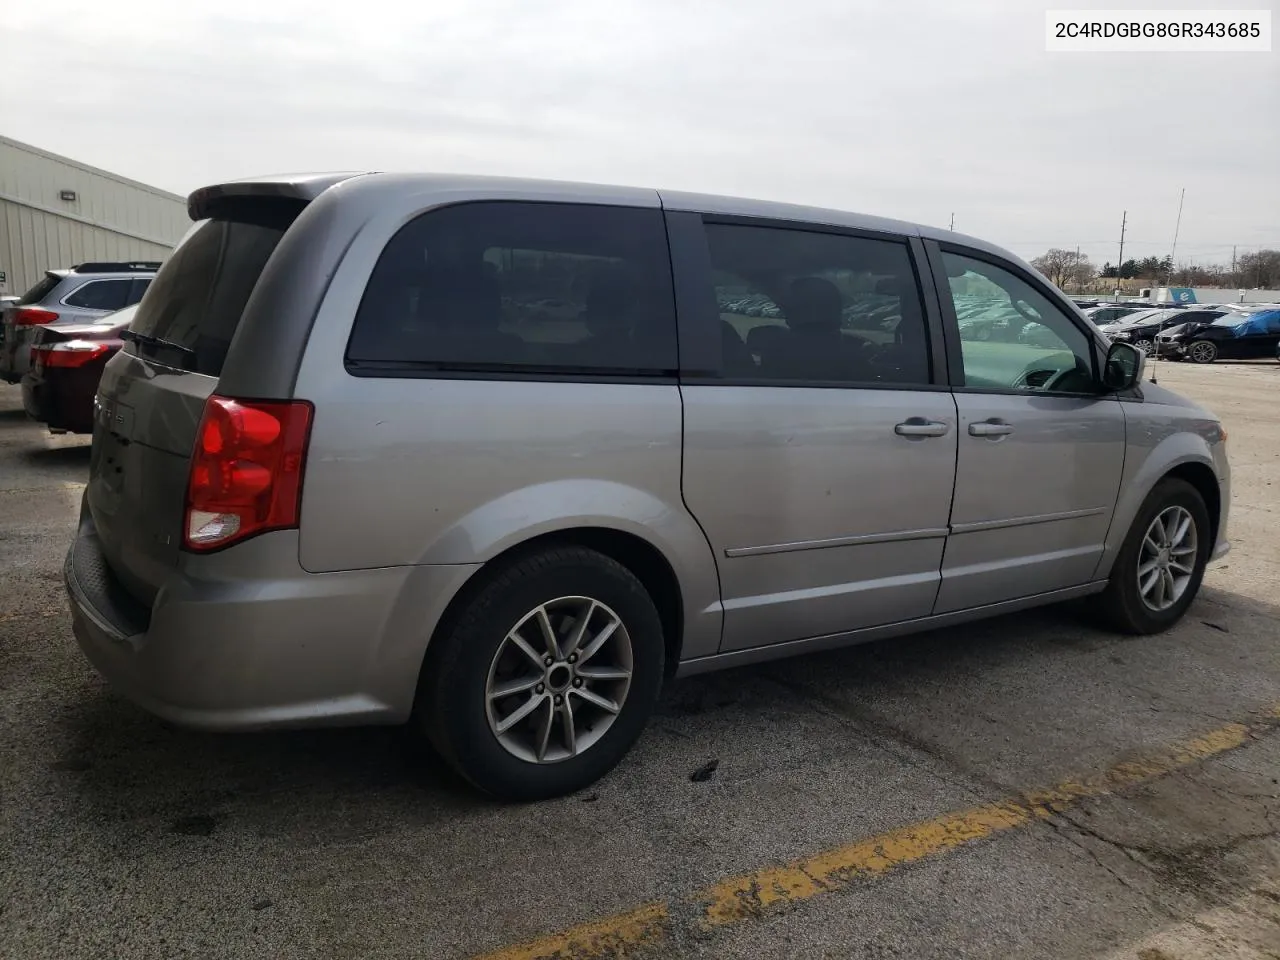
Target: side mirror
point(1124, 366)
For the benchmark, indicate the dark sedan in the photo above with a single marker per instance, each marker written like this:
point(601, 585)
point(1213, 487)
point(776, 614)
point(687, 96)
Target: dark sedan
point(1236, 335)
point(66, 365)
point(1141, 329)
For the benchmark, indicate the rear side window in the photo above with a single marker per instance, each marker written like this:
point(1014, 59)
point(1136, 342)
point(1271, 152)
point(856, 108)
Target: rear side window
point(100, 295)
point(516, 287)
point(196, 299)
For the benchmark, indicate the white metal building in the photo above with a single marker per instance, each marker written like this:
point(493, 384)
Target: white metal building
point(55, 212)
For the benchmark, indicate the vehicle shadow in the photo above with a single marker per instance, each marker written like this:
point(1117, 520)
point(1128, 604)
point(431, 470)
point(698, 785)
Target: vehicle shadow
point(132, 766)
point(70, 456)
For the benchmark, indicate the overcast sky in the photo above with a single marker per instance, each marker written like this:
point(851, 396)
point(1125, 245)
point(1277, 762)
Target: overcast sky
point(913, 109)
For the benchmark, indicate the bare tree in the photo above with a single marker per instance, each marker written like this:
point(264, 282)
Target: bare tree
point(1065, 267)
point(1261, 268)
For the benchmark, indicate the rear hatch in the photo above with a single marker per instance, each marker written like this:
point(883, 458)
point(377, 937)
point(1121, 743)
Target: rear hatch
point(10, 342)
point(153, 392)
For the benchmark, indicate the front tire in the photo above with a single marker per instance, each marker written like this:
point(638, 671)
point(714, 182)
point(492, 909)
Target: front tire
point(546, 676)
point(1161, 564)
point(1203, 351)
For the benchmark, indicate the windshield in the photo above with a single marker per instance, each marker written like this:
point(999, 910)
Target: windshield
point(1140, 317)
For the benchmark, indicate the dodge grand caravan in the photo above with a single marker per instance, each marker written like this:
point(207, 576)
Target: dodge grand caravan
point(497, 457)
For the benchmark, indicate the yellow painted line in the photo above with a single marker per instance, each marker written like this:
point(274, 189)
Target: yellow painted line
point(623, 935)
point(739, 898)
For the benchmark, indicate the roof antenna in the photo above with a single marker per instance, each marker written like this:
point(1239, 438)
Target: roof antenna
point(1155, 345)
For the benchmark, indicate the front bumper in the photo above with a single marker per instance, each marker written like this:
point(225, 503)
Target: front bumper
point(251, 651)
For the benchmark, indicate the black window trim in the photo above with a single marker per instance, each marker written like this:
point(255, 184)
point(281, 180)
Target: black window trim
point(526, 373)
point(128, 285)
point(134, 284)
point(955, 359)
point(698, 318)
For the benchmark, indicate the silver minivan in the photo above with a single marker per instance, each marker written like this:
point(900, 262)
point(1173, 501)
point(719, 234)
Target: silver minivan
point(499, 457)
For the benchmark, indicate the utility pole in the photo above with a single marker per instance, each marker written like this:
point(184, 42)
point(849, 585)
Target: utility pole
point(1233, 258)
point(1075, 275)
point(953, 222)
point(1124, 218)
point(1178, 225)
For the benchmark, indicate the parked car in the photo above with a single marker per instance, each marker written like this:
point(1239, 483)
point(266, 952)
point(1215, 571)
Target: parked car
point(1141, 329)
point(331, 484)
point(1237, 335)
point(68, 360)
point(1112, 313)
point(79, 294)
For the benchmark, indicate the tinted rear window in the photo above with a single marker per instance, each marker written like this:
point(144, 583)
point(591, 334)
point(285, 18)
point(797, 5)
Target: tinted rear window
point(519, 287)
point(199, 294)
point(43, 287)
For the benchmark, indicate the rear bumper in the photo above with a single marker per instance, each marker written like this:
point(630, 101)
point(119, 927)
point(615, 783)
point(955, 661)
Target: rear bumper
point(63, 399)
point(15, 354)
point(34, 399)
point(225, 652)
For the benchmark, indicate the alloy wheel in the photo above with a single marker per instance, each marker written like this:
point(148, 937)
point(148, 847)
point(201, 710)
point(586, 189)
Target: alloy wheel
point(1167, 560)
point(559, 680)
point(1203, 352)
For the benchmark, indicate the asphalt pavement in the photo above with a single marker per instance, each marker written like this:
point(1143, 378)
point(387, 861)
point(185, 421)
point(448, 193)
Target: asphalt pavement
point(1025, 787)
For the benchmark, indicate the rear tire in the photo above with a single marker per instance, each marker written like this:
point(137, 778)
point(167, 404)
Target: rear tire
point(498, 641)
point(1177, 563)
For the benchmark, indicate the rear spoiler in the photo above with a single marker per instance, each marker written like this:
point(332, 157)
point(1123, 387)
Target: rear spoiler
point(300, 188)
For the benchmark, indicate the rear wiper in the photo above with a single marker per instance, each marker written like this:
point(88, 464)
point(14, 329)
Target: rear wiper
point(147, 340)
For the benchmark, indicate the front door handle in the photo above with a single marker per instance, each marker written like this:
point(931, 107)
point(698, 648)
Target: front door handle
point(920, 427)
point(990, 428)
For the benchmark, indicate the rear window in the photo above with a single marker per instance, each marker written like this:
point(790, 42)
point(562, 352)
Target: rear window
point(196, 300)
point(43, 287)
point(513, 287)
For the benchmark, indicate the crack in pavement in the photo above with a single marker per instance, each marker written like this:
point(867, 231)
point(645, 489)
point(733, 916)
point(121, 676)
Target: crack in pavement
point(876, 728)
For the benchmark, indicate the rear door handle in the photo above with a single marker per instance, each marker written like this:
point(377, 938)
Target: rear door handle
point(990, 428)
point(920, 427)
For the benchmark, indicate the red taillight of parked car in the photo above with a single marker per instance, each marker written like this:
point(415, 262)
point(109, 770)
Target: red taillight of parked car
point(246, 470)
point(32, 316)
point(72, 353)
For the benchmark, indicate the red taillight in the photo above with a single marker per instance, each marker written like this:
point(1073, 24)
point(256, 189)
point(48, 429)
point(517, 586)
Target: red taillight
point(246, 470)
point(32, 316)
point(73, 353)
